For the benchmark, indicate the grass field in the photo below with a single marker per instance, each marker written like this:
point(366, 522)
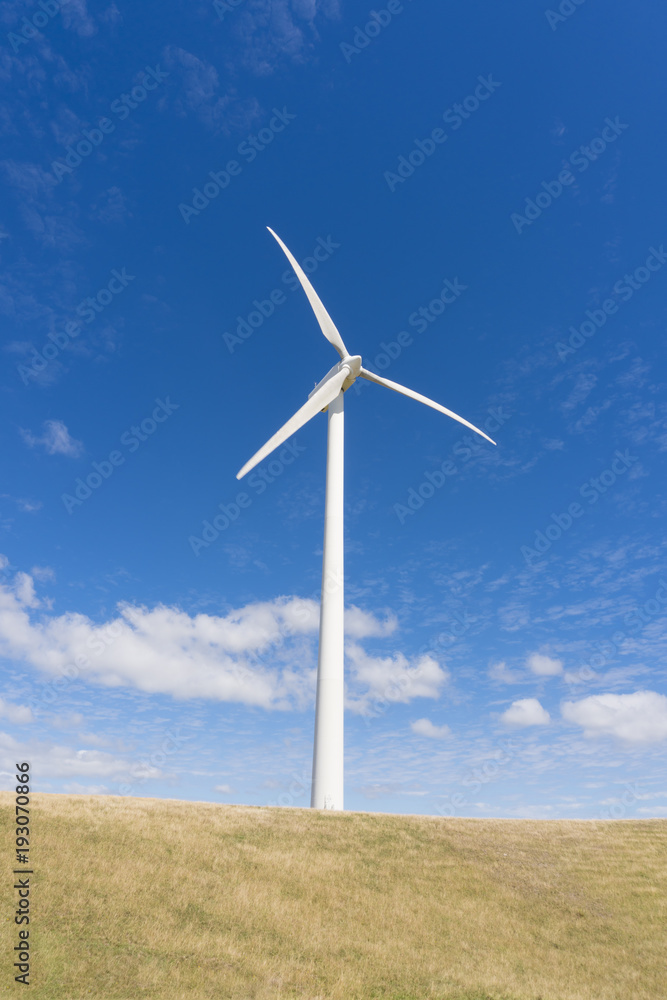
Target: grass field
point(136, 898)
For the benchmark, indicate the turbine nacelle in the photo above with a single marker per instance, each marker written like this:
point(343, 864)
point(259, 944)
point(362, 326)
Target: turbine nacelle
point(351, 363)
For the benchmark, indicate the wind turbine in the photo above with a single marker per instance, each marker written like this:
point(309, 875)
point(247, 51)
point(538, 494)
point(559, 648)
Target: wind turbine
point(327, 785)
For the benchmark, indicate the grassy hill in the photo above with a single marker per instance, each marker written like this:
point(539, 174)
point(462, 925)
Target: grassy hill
point(138, 898)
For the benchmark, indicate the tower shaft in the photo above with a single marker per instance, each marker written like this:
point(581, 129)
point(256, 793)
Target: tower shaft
point(327, 787)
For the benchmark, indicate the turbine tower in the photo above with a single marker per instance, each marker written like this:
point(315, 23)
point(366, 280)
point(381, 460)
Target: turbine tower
point(327, 785)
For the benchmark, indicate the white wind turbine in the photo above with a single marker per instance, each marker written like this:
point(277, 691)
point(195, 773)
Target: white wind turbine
point(327, 785)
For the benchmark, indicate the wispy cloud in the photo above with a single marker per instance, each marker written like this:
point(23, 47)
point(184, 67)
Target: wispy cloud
point(75, 15)
point(56, 440)
point(56, 761)
point(110, 207)
point(50, 223)
point(43, 573)
point(584, 383)
point(200, 94)
point(501, 673)
point(76, 788)
point(268, 32)
point(23, 503)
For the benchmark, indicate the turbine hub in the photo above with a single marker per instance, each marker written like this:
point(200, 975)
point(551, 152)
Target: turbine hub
point(353, 364)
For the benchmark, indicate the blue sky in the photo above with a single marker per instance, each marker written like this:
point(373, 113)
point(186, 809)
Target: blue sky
point(477, 193)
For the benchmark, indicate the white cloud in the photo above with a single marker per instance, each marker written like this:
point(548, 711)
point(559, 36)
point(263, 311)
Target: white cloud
point(20, 714)
point(52, 761)
point(525, 712)
point(224, 789)
point(166, 650)
point(501, 672)
point(544, 666)
point(361, 624)
point(56, 439)
point(424, 727)
point(636, 718)
point(24, 588)
point(262, 654)
point(392, 678)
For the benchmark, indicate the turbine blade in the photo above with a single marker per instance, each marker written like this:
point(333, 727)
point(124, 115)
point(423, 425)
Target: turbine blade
point(327, 325)
point(325, 395)
point(421, 399)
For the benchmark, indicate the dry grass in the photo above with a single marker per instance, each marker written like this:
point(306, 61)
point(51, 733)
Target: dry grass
point(138, 898)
